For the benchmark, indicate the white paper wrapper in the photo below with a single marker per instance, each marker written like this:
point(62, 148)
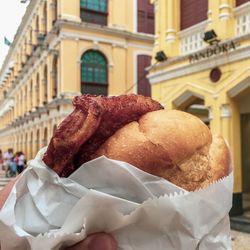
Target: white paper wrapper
point(142, 211)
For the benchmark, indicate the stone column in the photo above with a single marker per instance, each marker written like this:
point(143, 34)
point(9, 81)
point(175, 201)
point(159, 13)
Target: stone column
point(226, 19)
point(172, 16)
point(225, 115)
point(159, 41)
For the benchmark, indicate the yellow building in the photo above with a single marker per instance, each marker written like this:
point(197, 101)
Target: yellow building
point(206, 71)
point(64, 48)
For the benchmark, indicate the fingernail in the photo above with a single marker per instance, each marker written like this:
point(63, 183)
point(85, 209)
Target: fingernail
point(101, 242)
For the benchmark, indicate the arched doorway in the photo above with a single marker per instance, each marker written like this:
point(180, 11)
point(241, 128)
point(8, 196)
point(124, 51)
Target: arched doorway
point(45, 137)
point(54, 77)
point(45, 84)
point(240, 102)
point(31, 145)
point(94, 73)
point(26, 144)
point(194, 104)
point(54, 128)
point(37, 90)
point(37, 141)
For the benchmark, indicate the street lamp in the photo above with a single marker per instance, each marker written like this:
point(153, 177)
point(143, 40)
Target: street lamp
point(24, 1)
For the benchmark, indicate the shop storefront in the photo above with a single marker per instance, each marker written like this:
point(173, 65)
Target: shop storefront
point(207, 73)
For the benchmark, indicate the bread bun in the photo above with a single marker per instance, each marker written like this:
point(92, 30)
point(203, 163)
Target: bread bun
point(171, 144)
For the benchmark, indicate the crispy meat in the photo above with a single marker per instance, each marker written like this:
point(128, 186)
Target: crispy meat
point(93, 121)
point(74, 130)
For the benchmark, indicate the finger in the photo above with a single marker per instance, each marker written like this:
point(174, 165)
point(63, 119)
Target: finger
point(99, 241)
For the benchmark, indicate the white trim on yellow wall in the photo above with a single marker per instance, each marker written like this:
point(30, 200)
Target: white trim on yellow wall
point(225, 11)
point(7, 105)
point(99, 39)
point(193, 29)
point(135, 15)
point(98, 47)
point(240, 53)
point(71, 18)
point(242, 9)
point(240, 87)
point(225, 111)
point(73, 35)
point(185, 96)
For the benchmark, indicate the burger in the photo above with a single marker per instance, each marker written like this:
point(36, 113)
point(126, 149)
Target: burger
point(172, 144)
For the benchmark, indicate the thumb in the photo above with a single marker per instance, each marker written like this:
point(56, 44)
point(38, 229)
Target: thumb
point(98, 241)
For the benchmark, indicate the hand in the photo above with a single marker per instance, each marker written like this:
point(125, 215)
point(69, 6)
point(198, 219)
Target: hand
point(98, 241)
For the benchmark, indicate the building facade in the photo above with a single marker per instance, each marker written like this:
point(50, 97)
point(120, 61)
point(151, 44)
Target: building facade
point(206, 72)
point(65, 48)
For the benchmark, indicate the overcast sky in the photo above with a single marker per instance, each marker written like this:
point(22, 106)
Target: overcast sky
point(11, 13)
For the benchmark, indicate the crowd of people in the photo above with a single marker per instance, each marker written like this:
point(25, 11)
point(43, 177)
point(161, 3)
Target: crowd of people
point(12, 163)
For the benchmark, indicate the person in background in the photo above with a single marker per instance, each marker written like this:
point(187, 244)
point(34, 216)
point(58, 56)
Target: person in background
point(13, 166)
point(7, 157)
point(20, 162)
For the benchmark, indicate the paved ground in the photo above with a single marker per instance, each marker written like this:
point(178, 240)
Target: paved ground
point(3, 179)
point(240, 241)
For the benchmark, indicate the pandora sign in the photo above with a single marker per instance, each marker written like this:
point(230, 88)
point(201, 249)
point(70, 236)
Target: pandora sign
point(212, 51)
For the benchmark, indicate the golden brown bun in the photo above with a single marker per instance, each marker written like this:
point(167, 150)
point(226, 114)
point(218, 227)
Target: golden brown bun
point(172, 144)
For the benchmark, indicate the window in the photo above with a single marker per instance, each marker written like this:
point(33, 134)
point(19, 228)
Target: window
point(37, 90)
point(45, 85)
point(54, 128)
point(94, 73)
point(37, 141)
point(94, 11)
point(143, 85)
point(45, 137)
point(145, 16)
point(54, 77)
point(31, 93)
point(193, 12)
point(31, 145)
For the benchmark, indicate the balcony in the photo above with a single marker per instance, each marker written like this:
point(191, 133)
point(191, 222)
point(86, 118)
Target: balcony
point(192, 38)
point(242, 15)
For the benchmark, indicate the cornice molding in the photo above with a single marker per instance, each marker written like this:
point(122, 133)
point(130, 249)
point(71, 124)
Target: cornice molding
point(165, 74)
point(242, 9)
point(106, 30)
point(185, 96)
point(7, 105)
point(97, 40)
point(239, 88)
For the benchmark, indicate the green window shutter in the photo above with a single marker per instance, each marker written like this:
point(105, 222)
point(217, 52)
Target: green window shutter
point(93, 73)
point(96, 5)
